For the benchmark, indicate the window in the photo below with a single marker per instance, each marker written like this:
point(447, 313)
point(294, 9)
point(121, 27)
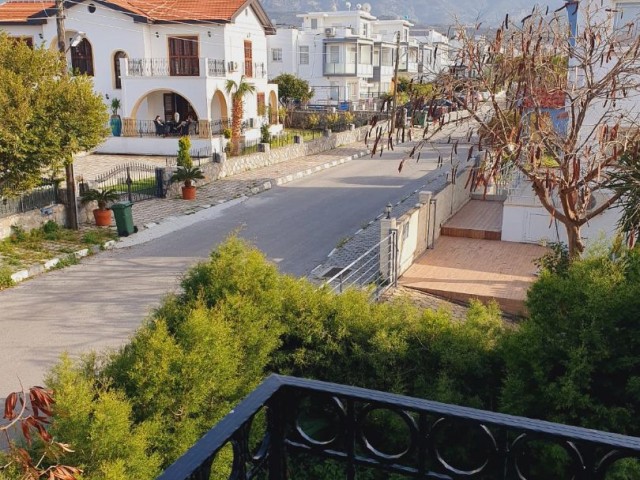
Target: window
point(276, 54)
point(248, 59)
point(314, 24)
point(116, 68)
point(334, 54)
point(365, 30)
point(183, 57)
point(82, 58)
point(365, 54)
point(627, 19)
point(28, 41)
point(304, 55)
point(351, 54)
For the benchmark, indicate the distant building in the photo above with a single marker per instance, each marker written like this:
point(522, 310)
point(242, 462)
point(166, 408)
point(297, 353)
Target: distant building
point(172, 61)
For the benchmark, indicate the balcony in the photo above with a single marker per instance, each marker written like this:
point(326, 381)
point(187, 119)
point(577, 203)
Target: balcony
point(174, 67)
point(359, 429)
point(339, 69)
point(383, 71)
point(410, 67)
point(365, 70)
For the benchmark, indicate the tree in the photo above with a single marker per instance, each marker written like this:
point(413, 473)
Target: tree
point(292, 89)
point(565, 122)
point(237, 90)
point(47, 117)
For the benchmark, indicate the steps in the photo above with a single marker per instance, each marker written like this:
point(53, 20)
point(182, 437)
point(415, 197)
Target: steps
point(478, 219)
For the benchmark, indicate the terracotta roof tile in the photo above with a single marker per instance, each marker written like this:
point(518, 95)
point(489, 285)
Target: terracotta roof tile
point(21, 11)
point(156, 10)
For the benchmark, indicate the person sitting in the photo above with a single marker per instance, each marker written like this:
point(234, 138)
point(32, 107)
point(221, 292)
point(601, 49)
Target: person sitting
point(184, 126)
point(161, 127)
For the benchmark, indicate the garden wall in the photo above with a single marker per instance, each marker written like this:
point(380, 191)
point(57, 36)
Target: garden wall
point(33, 219)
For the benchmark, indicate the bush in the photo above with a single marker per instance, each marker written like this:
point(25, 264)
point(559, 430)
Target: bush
point(265, 135)
point(184, 157)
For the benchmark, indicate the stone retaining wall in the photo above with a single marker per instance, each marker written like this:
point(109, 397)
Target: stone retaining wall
point(33, 219)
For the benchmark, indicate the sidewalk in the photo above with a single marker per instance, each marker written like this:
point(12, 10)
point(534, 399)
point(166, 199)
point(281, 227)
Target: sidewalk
point(149, 213)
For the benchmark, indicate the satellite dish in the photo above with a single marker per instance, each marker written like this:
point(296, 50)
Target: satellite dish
point(366, 7)
point(358, 6)
point(348, 5)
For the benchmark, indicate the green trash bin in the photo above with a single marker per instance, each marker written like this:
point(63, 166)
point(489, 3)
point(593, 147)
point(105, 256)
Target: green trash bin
point(124, 218)
point(421, 118)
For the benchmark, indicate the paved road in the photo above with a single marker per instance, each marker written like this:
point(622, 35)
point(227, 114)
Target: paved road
point(100, 302)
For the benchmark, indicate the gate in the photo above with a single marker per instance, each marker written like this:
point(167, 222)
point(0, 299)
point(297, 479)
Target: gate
point(134, 181)
point(375, 270)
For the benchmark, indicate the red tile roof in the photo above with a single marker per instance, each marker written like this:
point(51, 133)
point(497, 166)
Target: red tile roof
point(21, 11)
point(155, 10)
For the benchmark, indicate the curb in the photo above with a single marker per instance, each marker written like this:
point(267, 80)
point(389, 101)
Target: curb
point(318, 168)
point(34, 270)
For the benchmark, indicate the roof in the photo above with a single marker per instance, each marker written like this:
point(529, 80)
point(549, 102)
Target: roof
point(152, 11)
point(19, 12)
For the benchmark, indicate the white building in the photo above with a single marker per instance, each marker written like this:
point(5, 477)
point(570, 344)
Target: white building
point(158, 59)
point(434, 54)
point(346, 56)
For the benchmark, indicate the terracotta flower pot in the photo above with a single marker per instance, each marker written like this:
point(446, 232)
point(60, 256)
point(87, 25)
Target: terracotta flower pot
point(189, 193)
point(103, 217)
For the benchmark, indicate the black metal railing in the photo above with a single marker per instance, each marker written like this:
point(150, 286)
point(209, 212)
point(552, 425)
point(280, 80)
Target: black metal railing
point(259, 70)
point(149, 128)
point(40, 197)
point(361, 429)
point(133, 181)
point(216, 68)
point(148, 67)
point(217, 126)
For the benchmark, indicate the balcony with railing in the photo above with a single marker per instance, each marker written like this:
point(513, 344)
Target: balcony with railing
point(287, 424)
point(174, 67)
point(339, 68)
point(365, 70)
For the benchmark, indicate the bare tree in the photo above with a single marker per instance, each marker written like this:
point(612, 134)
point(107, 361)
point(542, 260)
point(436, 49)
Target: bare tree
point(562, 105)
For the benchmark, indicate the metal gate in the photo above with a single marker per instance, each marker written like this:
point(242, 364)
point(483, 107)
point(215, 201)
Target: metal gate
point(376, 270)
point(134, 181)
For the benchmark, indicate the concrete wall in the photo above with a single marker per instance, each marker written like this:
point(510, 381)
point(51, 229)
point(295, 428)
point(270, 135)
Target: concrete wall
point(419, 228)
point(33, 219)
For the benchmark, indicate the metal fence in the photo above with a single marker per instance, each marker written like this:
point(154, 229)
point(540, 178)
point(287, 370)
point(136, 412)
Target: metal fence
point(199, 157)
point(40, 197)
point(217, 126)
point(133, 181)
point(375, 270)
point(367, 431)
point(149, 128)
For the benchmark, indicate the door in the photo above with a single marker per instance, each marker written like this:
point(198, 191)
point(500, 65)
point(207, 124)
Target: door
point(248, 59)
point(183, 57)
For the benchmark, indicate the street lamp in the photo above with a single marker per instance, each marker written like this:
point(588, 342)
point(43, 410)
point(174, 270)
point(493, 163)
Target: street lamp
point(76, 39)
point(387, 210)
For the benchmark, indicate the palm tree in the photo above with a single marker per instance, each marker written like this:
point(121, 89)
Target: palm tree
point(237, 91)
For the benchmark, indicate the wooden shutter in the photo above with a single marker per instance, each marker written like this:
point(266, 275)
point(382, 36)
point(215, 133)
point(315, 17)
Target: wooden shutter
point(183, 56)
point(248, 59)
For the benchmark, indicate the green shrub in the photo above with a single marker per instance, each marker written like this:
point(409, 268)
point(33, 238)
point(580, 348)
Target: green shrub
point(51, 230)
point(265, 135)
point(184, 156)
point(5, 278)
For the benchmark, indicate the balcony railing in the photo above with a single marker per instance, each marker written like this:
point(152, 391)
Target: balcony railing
point(217, 126)
point(216, 68)
point(365, 70)
point(339, 69)
point(359, 428)
point(174, 67)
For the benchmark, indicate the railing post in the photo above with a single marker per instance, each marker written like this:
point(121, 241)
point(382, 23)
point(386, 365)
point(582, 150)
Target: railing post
point(276, 422)
point(129, 182)
point(160, 173)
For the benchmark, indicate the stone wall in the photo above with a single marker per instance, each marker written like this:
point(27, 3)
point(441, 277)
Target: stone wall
point(33, 219)
point(235, 165)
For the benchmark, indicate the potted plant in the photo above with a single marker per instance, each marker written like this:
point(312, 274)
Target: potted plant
point(102, 214)
point(187, 175)
point(115, 122)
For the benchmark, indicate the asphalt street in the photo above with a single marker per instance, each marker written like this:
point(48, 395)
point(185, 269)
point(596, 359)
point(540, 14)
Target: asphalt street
point(100, 302)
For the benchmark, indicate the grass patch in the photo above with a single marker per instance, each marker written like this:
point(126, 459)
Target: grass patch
point(5, 278)
point(24, 249)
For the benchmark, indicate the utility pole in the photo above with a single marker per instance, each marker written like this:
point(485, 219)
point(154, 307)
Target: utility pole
point(395, 87)
point(72, 207)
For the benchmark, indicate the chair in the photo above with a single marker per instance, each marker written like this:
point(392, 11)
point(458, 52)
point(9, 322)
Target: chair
point(160, 128)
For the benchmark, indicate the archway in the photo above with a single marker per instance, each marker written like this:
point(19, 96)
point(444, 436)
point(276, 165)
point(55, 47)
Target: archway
point(82, 57)
point(273, 108)
point(219, 112)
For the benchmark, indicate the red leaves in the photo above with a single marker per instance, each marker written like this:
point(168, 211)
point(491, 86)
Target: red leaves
point(10, 405)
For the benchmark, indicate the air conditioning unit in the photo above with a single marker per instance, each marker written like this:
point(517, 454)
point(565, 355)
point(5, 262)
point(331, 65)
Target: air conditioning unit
point(330, 31)
point(233, 66)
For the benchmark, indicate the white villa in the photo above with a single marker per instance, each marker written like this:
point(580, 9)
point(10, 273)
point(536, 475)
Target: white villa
point(346, 56)
point(170, 59)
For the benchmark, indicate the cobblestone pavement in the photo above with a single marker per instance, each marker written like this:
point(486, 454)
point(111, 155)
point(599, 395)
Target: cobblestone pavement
point(148, 213)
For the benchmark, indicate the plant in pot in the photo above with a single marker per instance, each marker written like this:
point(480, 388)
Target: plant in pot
point(102, 214)
point(187, 175)
point(115, 122)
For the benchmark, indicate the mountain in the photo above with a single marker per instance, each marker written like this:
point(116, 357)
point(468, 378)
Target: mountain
point(423, 12)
